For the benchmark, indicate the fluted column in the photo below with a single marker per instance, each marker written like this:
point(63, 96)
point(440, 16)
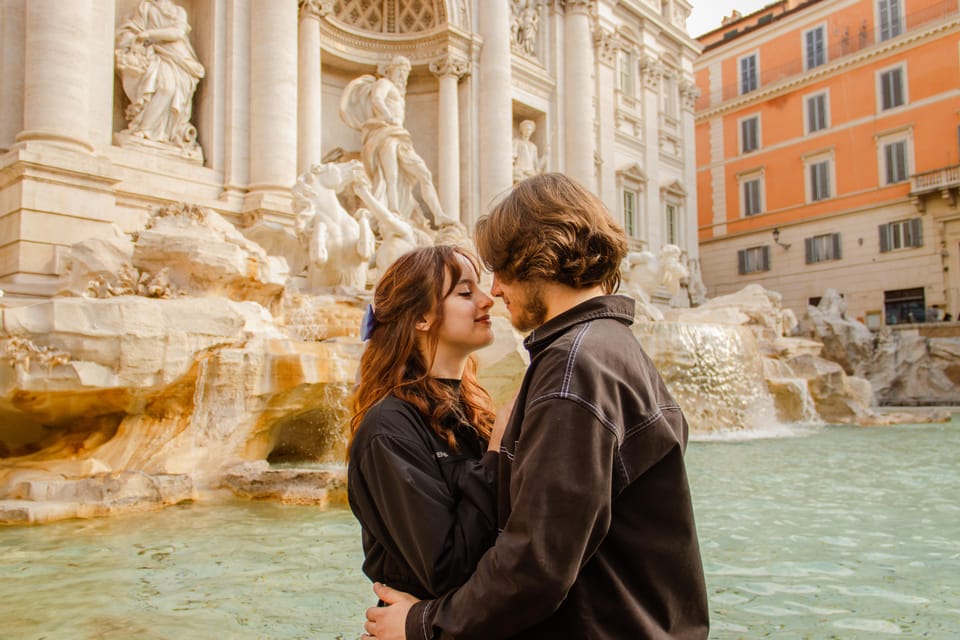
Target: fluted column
point(273, 94)
point(56, 73)
point(310, 103)
point(496, 112)
point(578, 92)
point(12, 43)
point(449, 69)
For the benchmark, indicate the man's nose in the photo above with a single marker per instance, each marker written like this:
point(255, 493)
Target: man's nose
point(495, 289)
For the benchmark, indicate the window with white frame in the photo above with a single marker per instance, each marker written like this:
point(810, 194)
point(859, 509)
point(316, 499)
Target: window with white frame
point(819, 178)
point(822, 248)
point(626, 73)
point(753, 260)
point(748, 73)
point(889, 18)
point(672, 224)
point(817, 112)
point(631, 183)
point(815, 47)
point(895, 161)
point(750, 134)
point(751, 198)
point(669, 87)
point(901, 234)
point(891, 88)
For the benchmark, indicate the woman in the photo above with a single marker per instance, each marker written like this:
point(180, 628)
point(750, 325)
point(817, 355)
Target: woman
point(417, 478)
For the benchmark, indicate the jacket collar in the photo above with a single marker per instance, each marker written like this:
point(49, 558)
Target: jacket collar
point(619, 308)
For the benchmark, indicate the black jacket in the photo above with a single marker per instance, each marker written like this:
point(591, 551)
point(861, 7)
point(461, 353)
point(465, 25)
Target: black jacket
point(598, 538)
point(426, 511)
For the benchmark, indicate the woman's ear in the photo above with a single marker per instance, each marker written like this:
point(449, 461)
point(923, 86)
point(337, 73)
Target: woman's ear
point(425, 323)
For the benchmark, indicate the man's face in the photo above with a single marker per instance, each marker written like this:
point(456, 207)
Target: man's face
point(524, 300)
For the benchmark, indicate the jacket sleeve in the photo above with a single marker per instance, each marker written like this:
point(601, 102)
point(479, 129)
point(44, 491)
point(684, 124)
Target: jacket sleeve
point(441, 536)
point(561, 509)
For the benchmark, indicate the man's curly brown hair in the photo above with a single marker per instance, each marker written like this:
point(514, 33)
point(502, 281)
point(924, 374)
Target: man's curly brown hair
point(549, 227)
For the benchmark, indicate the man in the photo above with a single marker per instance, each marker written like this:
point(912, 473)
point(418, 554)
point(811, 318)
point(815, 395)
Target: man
point(376, 107)
point(597, 537)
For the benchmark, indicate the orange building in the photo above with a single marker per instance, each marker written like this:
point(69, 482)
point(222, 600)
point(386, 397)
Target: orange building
point(828, 155)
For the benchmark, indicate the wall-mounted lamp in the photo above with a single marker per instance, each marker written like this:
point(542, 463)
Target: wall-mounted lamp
point(776, 239)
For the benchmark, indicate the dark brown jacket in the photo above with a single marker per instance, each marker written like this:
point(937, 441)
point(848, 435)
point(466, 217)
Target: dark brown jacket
point(597, 537)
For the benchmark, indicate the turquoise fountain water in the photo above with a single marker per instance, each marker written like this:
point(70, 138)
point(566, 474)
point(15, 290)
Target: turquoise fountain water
point(833, 532)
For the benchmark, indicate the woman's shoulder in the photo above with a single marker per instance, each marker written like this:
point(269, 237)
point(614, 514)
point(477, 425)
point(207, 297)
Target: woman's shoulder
point(391, 417)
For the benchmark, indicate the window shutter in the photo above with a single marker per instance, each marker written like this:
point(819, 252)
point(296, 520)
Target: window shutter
point(741, 262)
point(808, 249)
point(766, 258)
point(837, 252)
point(916, 231)
point(884, 238)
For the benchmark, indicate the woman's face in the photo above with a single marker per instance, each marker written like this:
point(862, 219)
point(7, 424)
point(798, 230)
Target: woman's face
point(466, 324)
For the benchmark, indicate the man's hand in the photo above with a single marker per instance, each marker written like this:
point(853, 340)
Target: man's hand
point(388, 623)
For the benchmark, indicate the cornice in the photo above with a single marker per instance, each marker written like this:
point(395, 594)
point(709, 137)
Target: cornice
point(826, 71)
point(370, 48)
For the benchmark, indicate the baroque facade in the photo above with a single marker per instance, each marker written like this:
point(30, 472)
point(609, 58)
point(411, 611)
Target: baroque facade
point(114, 107)
point(827, 144)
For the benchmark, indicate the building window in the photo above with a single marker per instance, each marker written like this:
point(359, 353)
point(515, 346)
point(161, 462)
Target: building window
point(822, 248)
point(895, 161)
point(672, 225)
point(748, 73)
point(904, 305)
point(819, 175)
point(815, 46)
point(630, 212)
point(750, 134)
point(626, 73)
point(890, 18)
point(817, 112)
point(752, 189)
point(901, 234)
point(753, 259)
point(669, 88)
point(892, 93)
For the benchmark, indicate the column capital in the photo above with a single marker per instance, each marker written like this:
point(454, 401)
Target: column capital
point(652, 71)
point(315, 8)
point(450, 64)
point(578, 6)
point(689, 93)
point(606, 43)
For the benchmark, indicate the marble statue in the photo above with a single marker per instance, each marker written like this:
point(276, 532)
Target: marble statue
point(339, 246)
point(159, 71)
point(672, 271)
point(526, 156)
point(523, 26)
point(375, 106)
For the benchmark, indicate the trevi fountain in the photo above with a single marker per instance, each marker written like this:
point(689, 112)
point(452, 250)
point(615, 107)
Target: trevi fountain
point(173, 397)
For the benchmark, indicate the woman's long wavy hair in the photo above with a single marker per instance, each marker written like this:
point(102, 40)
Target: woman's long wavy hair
point(393, 361)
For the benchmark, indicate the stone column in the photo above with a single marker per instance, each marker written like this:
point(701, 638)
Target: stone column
point(56, 73)
point(607, 45)
point(310, 104)
point(578, 92)
point(688, 99)
point(496, 111)
point(12, 44)
point(449, 69)
point(651, 72)
point(273, 95)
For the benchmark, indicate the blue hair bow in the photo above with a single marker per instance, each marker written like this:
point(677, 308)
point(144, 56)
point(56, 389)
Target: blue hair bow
point(368, 324)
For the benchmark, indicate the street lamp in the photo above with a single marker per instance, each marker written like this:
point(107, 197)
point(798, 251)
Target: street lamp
point(776, 239)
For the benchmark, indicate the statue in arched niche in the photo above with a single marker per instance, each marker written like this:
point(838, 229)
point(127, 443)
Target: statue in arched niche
point(527, 160)
point(375, 106)
point(159, 71)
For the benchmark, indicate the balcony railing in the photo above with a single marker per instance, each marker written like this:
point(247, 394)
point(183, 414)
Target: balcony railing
point(936, 180)
point(845, 40)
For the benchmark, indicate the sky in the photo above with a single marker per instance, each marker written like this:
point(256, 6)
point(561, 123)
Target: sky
point(707, 14)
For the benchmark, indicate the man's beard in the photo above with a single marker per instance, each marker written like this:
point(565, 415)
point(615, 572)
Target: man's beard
point(533, 312)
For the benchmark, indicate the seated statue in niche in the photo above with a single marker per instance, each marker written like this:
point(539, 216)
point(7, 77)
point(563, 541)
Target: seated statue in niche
point(527, 160)
point(375, 106)
point(159, 71)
